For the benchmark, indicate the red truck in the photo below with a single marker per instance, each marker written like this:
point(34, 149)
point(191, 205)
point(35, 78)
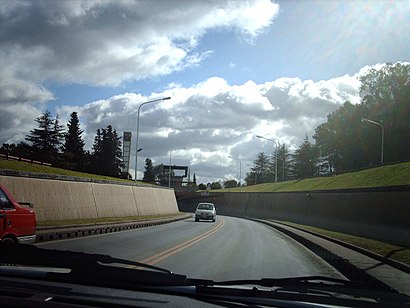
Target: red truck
point(17, 219)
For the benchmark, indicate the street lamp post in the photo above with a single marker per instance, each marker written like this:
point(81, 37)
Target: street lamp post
point(320, 159)
point(169, 168)
point(138, 128)
point(382, 145)
point(240, 169)
point(276, 155)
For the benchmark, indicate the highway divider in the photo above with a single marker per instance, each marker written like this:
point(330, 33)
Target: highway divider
point(45, 234)
point(64, 200)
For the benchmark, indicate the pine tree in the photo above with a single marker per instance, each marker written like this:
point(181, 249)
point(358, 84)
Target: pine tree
point(305, 160)
point(46, 139)
point(261, 171)
point(74, 143)
point(149, 173)
point(106, 157)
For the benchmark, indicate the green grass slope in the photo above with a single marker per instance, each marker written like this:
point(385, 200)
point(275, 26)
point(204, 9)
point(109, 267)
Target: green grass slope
point(398, 174)
point(28, 167)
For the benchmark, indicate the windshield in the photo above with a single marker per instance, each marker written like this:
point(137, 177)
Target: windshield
point(204, 206)
point(285, 122)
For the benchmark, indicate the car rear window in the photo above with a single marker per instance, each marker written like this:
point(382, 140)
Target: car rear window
point(204, 206)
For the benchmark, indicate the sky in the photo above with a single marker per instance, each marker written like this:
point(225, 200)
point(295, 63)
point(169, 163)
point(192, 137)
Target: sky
point(233, 70)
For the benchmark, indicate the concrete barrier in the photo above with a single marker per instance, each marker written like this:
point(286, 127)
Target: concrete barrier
point(62, 200)
point(381, 214)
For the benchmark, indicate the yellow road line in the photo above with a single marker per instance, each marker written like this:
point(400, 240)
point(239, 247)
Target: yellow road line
point(154, 259)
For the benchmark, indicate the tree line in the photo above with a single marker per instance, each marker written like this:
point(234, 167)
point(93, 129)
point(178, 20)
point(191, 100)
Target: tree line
point(49, 142)
point(348, 140)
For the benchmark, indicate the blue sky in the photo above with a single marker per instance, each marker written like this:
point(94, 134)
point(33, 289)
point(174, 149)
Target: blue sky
point(233, 69)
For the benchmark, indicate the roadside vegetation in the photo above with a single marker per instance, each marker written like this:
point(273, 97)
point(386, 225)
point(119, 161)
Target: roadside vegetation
point(391, 175)
point(28, 167)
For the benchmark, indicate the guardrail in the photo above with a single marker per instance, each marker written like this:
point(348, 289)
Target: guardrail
point(45, 234)
point(31, 161)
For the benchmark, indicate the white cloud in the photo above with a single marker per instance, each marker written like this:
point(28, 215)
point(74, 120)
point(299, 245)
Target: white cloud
point(109, 42)
point(213, 119)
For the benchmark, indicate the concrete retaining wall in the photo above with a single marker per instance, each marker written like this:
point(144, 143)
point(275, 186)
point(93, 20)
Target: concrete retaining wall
point(57, 200)
point(381, 215)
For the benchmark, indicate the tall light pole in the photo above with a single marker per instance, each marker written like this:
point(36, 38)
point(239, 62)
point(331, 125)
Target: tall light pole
point(377, 123)
point(276, 156)
point(169, 168)
point(138, 128)
point(240, 169)
point(320, 159)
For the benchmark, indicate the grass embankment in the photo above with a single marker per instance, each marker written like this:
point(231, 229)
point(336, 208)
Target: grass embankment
point(27, 167)
point(399, 253)
point(102, 220)
point(398, 174)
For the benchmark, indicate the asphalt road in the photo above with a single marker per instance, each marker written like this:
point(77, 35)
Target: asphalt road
point(230, 248)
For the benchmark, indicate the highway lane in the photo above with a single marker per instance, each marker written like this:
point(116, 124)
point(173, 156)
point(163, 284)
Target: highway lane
point(230, 248)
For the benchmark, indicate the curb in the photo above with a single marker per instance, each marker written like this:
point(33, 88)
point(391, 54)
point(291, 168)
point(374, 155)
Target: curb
point(46, 234)
point(394, 263)
point(348, 269)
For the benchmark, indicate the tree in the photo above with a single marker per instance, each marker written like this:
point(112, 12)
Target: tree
point(216, 185)
point(283, 161)
point(107, 152)
point(22, 149)
point(304, 160)
point(202, 186)
point(161, 174)
point(8, 148)
point(385, 96)
point(149, 173)
point(261, 171)
point(230, 184)
point(343, 139)
point(46, 139)
point(57, 135)
point(73, 148)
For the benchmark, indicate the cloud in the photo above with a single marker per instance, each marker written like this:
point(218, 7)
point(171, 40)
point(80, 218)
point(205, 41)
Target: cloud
point(106, 42)
point(215, 120)
point(212, 119)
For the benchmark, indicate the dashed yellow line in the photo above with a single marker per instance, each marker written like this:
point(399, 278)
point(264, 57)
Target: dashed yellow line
point(154, 259)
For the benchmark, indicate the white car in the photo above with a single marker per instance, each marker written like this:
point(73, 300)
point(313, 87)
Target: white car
point(206, 211)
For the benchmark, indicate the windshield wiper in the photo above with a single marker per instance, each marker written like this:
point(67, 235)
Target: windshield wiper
point(34, 256)
point(93, 269)
point(292, 281)
point(320, 289)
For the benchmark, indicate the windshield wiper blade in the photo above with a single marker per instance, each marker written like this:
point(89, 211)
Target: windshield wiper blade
point(291, 281)
point(92, 269)
point(34, 256)
point(326, 288)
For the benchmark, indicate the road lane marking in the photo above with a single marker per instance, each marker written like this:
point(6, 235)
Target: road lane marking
point(154, 259)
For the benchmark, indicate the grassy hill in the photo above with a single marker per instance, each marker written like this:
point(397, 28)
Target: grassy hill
point(391, 175)
point(28, 167)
